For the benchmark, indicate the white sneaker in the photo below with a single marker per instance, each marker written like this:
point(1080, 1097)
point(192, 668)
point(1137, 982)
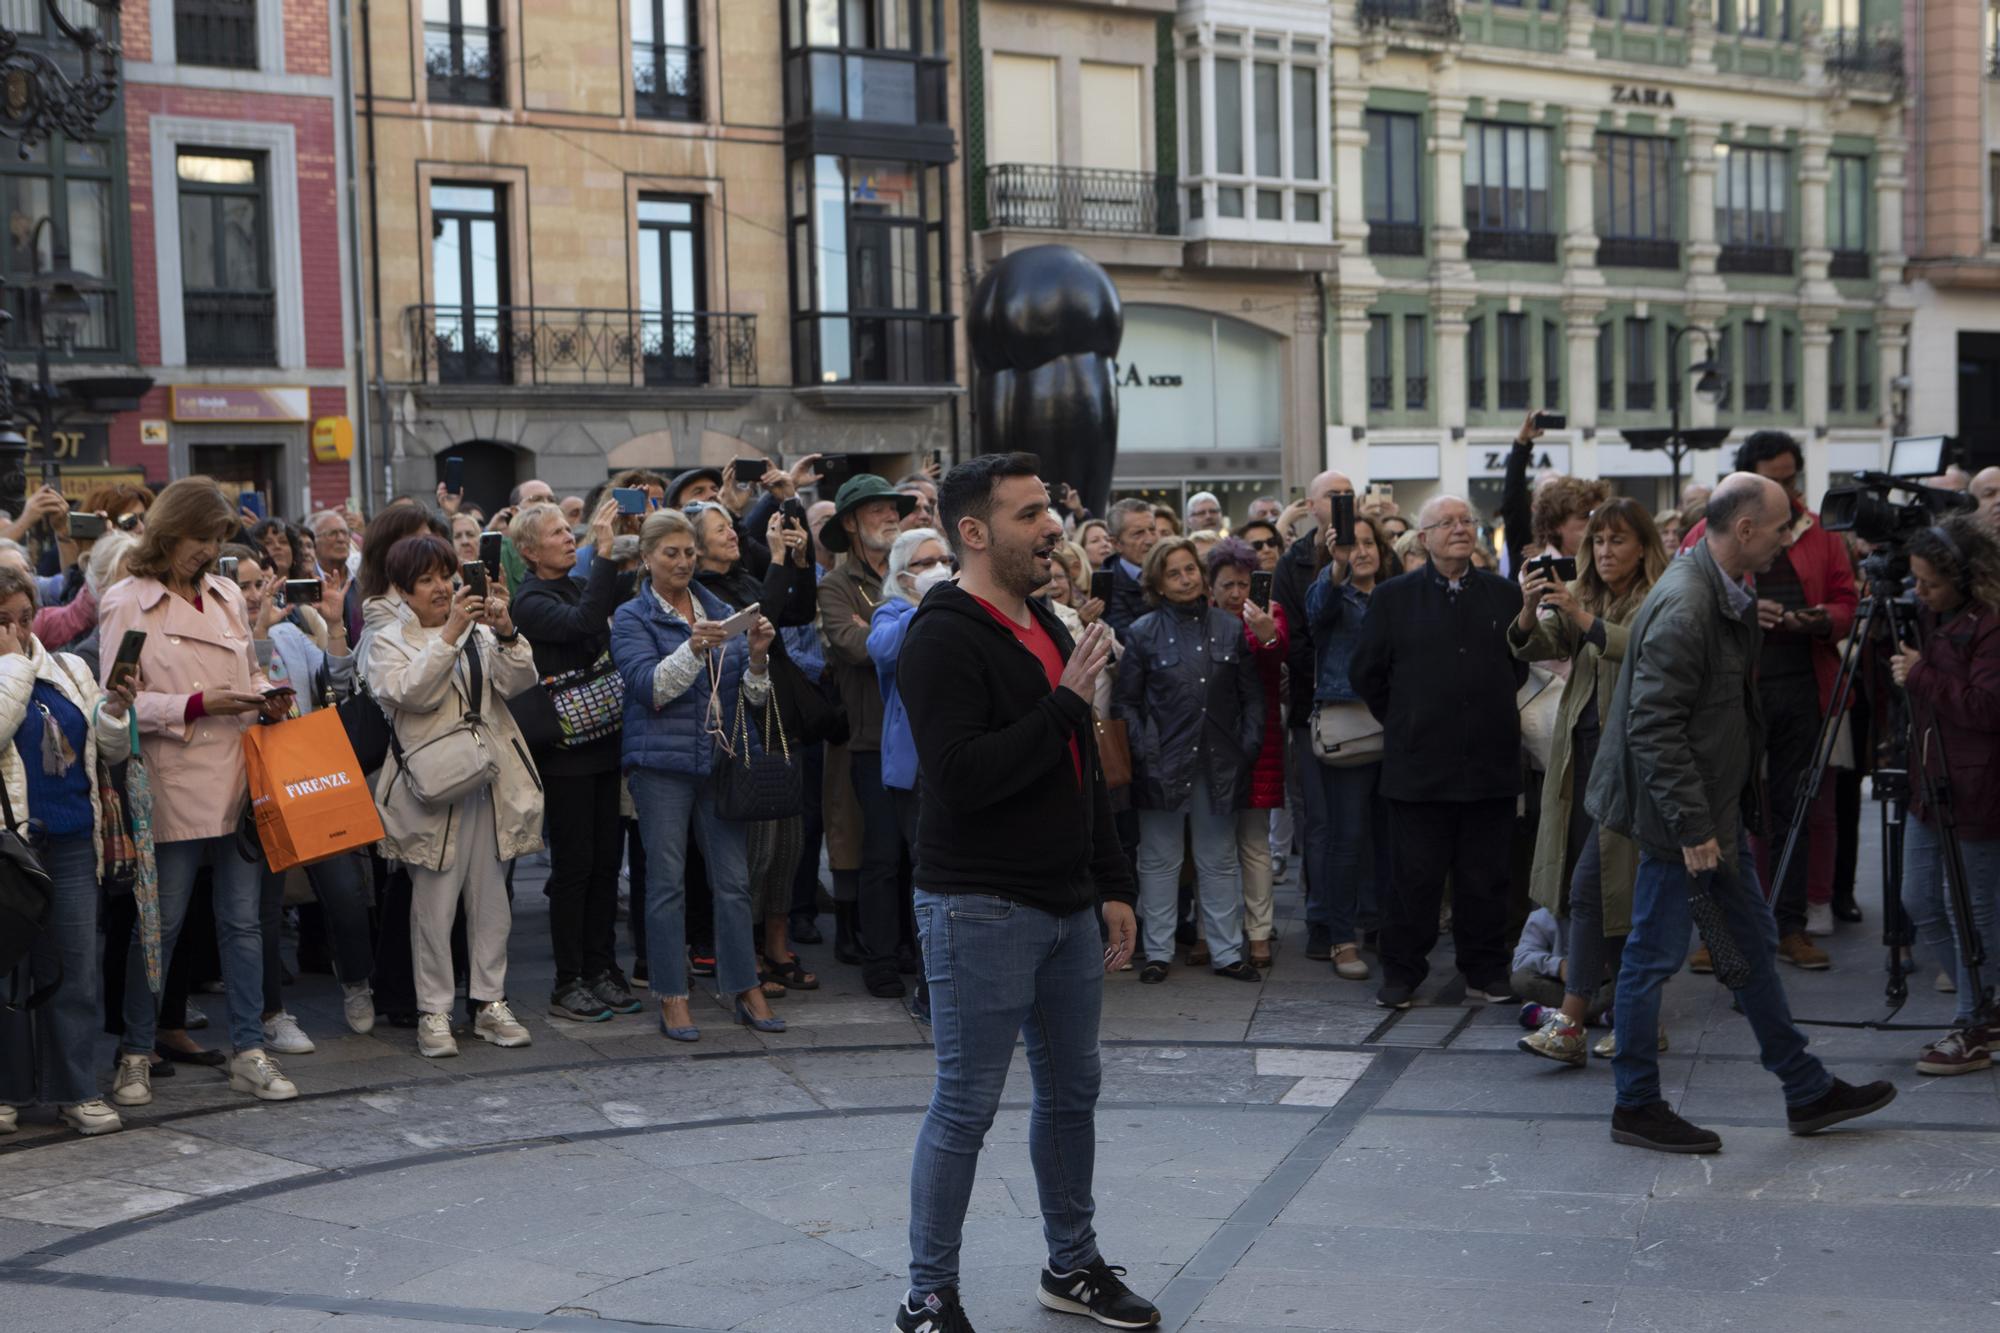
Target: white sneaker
point(496, 1023)
point(434, 1037)
point(92, 1117)
point(196, 1019)
point(132, 1085)
point(1946, 983)
point(359, 1002)
point(258, 1074)
point(10, 1120)
point(283, 1034)
point(1819, 919)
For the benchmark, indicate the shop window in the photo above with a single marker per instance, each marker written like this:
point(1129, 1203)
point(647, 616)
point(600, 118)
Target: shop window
point(58, 201)
point(1392, 184)
point(1507, 199)
point(228, 301)
point(464, 55)
point(1635, 202)
point(1752, 210)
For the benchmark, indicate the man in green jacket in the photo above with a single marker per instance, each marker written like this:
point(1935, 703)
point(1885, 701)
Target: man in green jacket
point(1679, 754)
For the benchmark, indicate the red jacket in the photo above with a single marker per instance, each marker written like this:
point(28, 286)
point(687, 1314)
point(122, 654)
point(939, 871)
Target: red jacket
point(1826, 576)
point(1955, 686)
point(1267, 775)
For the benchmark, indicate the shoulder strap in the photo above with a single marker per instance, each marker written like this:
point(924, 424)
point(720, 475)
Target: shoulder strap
point(476, 685)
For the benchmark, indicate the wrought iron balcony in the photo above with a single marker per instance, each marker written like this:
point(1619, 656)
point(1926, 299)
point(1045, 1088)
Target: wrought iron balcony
point(1380, 391)
point(1774, 260)
point(1395, 238)
point(1416, 392)
point(1849, 264)
point(465, 64)
point(1637, 252)
point(1514, 393)
point(231, 328)
point(667, 80)
point(1757, 397)
point(1638, 395)
point(614, 348)
point(1436, 17)
point(1082, 199)
point(1530, 247)
point(216, 32)
point(1856, 58)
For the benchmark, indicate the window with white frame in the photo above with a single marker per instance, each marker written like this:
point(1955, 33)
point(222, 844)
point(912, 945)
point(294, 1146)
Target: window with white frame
point(1253, 136)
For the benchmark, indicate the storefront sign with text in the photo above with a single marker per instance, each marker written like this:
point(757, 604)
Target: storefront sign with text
point(202, 402)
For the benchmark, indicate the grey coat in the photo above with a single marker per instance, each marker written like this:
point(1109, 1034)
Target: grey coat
point(1186, 683)
point(1678, 761)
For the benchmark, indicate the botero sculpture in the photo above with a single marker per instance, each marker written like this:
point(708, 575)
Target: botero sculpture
point(1045, 325)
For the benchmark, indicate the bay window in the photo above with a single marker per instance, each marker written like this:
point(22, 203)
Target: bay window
point(1253, 139)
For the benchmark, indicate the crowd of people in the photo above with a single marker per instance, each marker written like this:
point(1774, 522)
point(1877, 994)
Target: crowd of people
point(693, 687)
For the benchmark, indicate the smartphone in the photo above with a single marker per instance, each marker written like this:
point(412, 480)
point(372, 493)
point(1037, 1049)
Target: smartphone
point(1562, 566)
point(1343, 517)
point(795, 510)
point(1260, 584)
point(226, 566)
point(1101, 583)
point(631, 499)
point(1551, 421)
point(750, 471)
point(1298, 494)
point(937, 462)
point(52, 475)
point(454, 475)
point(302, 592)
point(490, 544)
point(253, 502)
point(474, 574)
point(833, 470)
point(127, 661)
point(740, 623)
point(1382, 490)
point(86, 527)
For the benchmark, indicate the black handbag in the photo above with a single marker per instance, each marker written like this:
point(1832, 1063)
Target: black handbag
point(27, 896)
point(812, 716)
point(757, 783)
point(367, 726)
point(534, 714)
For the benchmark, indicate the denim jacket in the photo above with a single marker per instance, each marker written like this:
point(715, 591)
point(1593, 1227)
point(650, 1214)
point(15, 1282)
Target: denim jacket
point(1335, 612)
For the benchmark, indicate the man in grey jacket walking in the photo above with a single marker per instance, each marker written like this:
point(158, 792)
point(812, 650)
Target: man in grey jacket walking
point(1680, 750)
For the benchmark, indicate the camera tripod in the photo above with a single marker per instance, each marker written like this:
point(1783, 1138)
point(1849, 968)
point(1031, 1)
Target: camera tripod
point(1911, 733)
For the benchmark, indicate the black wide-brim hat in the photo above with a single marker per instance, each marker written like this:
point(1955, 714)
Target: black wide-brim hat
point(858, 491)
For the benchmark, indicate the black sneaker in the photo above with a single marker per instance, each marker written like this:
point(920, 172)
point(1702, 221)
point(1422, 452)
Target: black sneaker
point(1152, 974)
point(612, 988)
point(1240, 970)
point(1096, 1290)
point(1843, 1101)
point(939, 1312)
point(1392, 996)
point(1319, 944)
point(577, 1002)
point(640, 976)
point(1655, 1126)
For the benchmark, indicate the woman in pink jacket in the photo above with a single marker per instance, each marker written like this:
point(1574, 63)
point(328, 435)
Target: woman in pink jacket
point(200, 686)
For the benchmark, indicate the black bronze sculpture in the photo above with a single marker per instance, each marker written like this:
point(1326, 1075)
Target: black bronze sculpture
point(1045, 326)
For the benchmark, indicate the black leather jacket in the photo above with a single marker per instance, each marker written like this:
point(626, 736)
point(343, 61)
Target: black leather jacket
point(1187, 687)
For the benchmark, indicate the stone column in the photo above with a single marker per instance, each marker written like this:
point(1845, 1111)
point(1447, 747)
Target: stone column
point(1700, 168)
point(1350, 144)
point(1814, 256)
point(1580, 319)
point(1448, 234)
point(1892, 340)
point(1448, 377)
point(1353, 343)
point(1889, 184)
point(1579, 160)
point(1815, 337)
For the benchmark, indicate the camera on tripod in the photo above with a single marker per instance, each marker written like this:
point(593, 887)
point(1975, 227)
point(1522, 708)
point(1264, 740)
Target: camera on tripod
point(1867, 509)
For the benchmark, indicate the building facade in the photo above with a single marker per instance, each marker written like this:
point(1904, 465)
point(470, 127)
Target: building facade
point(1954, 225)
point(611, 233)
point(240, 276)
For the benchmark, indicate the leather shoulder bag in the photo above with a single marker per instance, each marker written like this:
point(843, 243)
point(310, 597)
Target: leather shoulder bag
point(459, 761)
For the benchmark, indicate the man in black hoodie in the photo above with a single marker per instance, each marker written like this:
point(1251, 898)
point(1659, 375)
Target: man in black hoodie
point(1016, 857)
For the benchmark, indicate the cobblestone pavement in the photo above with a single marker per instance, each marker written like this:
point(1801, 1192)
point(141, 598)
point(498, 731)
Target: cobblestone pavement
point(1284, 1157)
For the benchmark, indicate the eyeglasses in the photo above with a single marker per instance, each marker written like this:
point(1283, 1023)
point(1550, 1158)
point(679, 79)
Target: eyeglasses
point(1454, 524)
point(1265, 544)
point(127, 522)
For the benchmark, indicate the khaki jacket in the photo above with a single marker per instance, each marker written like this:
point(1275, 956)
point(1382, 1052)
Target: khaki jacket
point(419, 678)
point(109, 738)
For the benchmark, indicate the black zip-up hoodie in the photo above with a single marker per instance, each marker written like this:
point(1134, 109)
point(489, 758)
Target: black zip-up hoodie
point(1000, 812)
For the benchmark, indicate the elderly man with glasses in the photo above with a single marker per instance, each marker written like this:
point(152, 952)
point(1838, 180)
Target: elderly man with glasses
point(1433, 665)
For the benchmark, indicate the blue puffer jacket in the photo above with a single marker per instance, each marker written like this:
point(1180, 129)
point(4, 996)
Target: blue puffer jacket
point(674, 739)
point(885, 645)
point(1335, 612)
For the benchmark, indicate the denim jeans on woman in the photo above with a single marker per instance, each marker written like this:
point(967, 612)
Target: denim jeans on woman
point(670, 809)
point(65, 1027)
point(239, 938)
point(1932, 915)
point(1655, 951)
point(1218, 877)
point(1352, 863)
point(998, 970)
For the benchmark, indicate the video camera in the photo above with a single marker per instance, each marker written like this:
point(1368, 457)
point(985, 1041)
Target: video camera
point(1867, 510)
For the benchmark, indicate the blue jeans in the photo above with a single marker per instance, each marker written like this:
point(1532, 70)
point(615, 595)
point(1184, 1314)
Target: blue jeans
point(1929, 905)
point(65, 1028)
point(1657, 947)
point(1355, 856)
point(1316, 875)
point(668, 806)
point(239, 938)
point(998, 970)
point(1218, 877)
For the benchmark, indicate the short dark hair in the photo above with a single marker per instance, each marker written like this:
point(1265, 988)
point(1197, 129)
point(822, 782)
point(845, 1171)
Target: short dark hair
point(967, 490)
point(417, 555)
point(1243, 528)
point(400, 518)
point(1763, 446)
point(1231, 553)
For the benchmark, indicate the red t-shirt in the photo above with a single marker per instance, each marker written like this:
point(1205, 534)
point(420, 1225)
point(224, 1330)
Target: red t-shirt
point(1037, 641)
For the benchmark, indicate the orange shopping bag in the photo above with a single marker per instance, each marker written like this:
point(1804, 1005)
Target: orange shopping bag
point(307, 791)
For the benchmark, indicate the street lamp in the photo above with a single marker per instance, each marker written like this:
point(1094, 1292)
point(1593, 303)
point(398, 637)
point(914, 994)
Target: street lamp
point(1710, 382)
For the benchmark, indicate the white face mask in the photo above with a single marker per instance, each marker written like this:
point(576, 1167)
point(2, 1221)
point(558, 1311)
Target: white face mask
point(929, 579)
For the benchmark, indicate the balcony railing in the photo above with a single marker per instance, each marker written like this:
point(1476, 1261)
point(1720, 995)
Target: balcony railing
point(615, 348)
point(1380, 389)
point(1437, 17)
point(231, 328)
point(1638, 395)
point(1757, 397)
point(1849, 264)
point(1513, 393)
point(887, 347)
point(1530, 247)
point(216, 32)
point(1416, 392)
point(1395, 238)
point(1637, 252)
point(464, 65)
point(1082, 199)
point(1774, 260)
point(667, 80)
point(1857, 58)
point(881, 87)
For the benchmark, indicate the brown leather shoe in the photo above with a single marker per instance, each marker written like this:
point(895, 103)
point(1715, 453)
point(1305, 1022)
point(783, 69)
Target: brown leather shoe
point(1197, 955)
point(1260, 953)
point(1699, 961)
point(1802, 952)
